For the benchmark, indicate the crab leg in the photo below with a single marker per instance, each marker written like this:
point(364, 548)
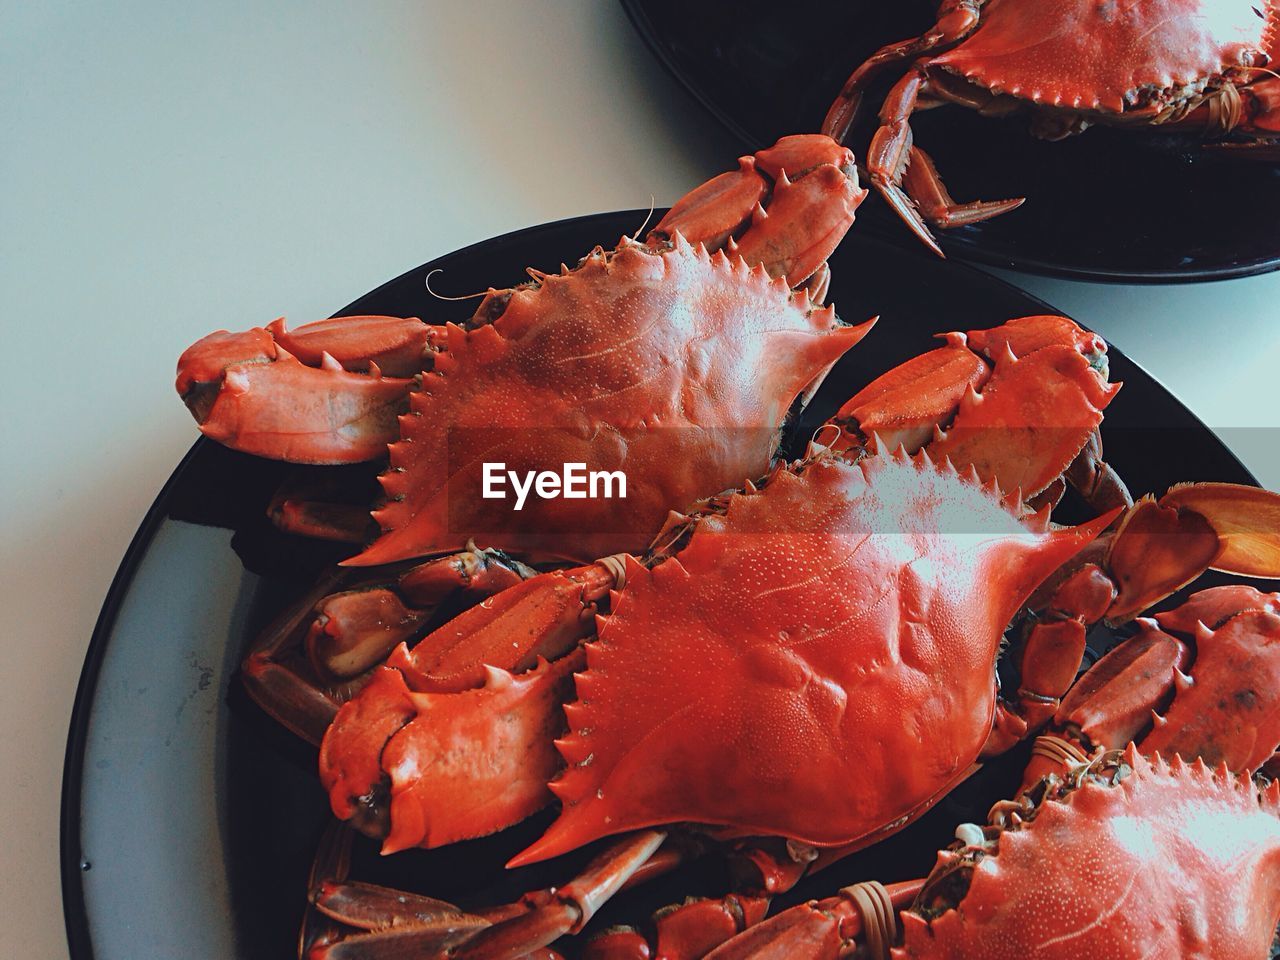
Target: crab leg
point(863, 915)
point(368, 920)
point(332, 859)
point(319, 507)
point(923, 184)
point(349, 919)
point(760, 869)
point(282, 682)
point(892, 153)
point(1157, 548)
point(409, 926)
point(681, 932)
point(319, 652)
point(956, 20)
point(1261, 119)
point(552, 913)
point(1252, 109)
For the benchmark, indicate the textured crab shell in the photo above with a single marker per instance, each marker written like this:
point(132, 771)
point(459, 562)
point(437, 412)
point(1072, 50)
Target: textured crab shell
point(1174, 861)
point(1087, 54)
point(1230, 712)
point(817, 663)
point(676, 367)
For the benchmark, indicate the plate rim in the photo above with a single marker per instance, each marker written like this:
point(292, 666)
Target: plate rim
point(71, 850)
point(75, 913)
point(964, 252)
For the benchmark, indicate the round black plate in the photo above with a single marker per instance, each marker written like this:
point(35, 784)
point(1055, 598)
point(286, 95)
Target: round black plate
point(1101, 206)
point(189, 819)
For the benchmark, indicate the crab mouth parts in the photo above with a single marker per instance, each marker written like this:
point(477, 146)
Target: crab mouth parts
point(946, 889)
point(372, 815)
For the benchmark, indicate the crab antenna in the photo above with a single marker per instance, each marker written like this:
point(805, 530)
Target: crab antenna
point(441, 296)
point(1265, 70)
point(653, 202)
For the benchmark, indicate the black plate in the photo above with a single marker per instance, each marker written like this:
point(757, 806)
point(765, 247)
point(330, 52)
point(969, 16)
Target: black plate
point(189, 819)
point(1101, 206)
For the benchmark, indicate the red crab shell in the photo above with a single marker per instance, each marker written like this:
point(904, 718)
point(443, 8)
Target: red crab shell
point(1106, 54)
point(1175, 860)
point(772, 677)
point(676, 367)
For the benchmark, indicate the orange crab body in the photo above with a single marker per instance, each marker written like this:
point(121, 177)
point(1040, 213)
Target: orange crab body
point(801, 668)
point(672, 362)
point(676, 367)
point(810, 624)
point(1110, 57)
point(1200, 67)
point(1171, 860)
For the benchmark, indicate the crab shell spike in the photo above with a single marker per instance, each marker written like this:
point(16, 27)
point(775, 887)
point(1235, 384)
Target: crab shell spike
point(1040, 519)
point(770, 613)
point(495, 678)
point(1116, 841)
point(397, 344)
point(1013, 499)
point(581, 371)
point(1025, 335)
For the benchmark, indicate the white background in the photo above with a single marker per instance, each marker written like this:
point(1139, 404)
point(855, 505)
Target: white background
point(167, 170)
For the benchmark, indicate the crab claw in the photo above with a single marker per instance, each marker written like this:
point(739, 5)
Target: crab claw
point(318, 394)
point(1162, 545)
point(786, 208)
point(372, 756)
point(1021, 402)
point(477, 702)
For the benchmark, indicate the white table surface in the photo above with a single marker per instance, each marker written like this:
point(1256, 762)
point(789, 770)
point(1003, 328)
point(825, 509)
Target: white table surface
point(168, 169)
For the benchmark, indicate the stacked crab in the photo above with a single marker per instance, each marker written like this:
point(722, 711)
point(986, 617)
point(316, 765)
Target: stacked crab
point(1201, 68)
point(800, 663)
